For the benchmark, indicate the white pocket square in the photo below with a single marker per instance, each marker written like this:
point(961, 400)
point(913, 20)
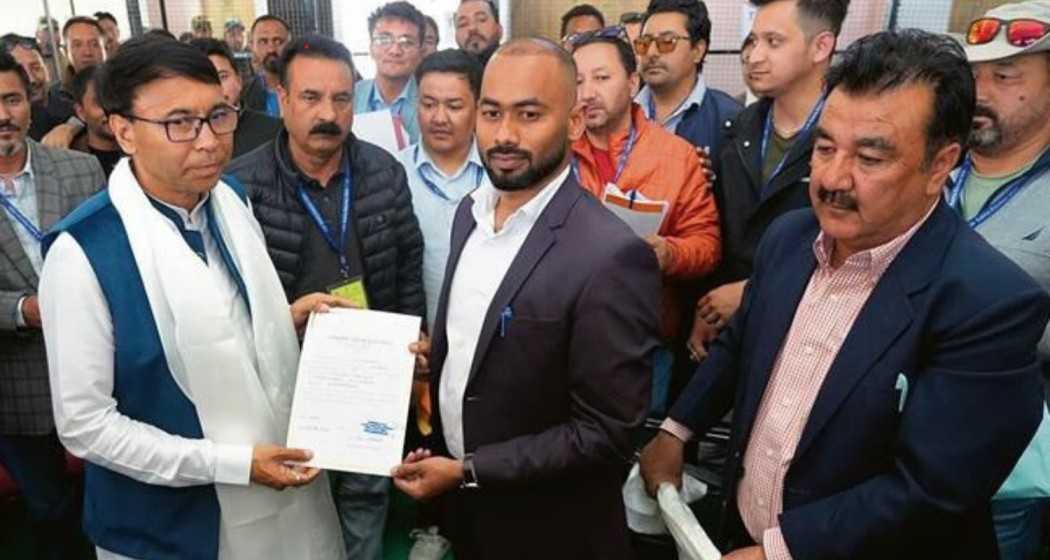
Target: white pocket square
point(902, 388)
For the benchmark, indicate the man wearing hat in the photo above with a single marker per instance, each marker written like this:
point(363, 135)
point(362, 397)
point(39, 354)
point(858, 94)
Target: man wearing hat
point(234, 34)
point(1003, 187)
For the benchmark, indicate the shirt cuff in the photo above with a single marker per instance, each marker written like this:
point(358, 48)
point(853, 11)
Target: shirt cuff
point(677, 430)
point(774, 545)
point(20, 318)
point(233, 464)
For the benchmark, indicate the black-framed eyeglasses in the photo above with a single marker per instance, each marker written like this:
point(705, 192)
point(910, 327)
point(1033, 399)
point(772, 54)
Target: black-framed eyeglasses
point(611, 32)
point(386, 40)
point(222, 121)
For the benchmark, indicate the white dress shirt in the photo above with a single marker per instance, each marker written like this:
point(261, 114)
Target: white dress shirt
point(671, 122)
point(486, 257)
point(79, 332)
point(20, 190)
point(435, 211)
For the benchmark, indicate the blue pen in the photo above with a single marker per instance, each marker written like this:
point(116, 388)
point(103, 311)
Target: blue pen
point(633, 195)
point(504, 319)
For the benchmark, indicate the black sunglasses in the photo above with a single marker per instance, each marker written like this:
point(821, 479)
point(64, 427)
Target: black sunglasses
point(612, 32)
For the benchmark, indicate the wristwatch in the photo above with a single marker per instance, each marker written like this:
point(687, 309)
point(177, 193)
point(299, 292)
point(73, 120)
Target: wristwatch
point(470, 477)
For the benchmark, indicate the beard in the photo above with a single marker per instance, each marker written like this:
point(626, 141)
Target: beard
point(536, 171)
point(1004, 133)
point(270, 63)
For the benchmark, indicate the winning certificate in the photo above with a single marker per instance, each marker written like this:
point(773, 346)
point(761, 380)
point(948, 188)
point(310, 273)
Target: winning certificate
point(353, 389)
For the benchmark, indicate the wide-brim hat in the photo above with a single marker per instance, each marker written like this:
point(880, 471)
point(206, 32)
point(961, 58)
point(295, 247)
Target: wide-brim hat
point(998, 48)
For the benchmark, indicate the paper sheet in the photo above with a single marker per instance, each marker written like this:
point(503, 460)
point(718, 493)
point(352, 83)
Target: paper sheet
point(379, 128)
point(642, 215)
point(353, 389)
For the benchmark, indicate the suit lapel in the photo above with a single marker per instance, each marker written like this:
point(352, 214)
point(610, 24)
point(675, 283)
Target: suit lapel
point(10, 244)
point(537, 243)
point(885, 316)
point(48, 191)
point(776, 320)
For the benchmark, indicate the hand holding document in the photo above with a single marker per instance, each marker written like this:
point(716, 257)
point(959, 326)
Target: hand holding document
point(352, 392)
point(642, 215)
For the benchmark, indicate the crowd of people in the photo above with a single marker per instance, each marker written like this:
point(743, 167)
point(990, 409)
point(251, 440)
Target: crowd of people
point(849, 278)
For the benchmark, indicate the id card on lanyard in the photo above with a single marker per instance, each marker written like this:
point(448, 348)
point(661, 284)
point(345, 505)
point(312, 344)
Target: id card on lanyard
point(21, 218)
point(350, 288)
point(767, 131)
point(621, 162)
point(955, 192)
point(479, 174)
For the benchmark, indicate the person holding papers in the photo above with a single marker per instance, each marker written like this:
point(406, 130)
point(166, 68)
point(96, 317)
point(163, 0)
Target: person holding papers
point(337, 216)
point(171, 348)
point(396, 30)
point(541, 347)
point(625, 158)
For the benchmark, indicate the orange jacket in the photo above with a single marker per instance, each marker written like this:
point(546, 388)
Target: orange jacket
point(665, 167)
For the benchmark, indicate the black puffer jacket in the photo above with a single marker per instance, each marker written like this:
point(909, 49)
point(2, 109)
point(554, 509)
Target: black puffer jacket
point(390, 242)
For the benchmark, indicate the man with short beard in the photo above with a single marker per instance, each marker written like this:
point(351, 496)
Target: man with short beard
point(268, 35)
point(337, 216)
point(38, 186)
point(96, 138)
point(1002, 187)
point(27, 53)
point(542, 342)
point(478, 30)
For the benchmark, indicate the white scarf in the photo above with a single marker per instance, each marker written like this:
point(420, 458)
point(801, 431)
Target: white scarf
point(236, 402)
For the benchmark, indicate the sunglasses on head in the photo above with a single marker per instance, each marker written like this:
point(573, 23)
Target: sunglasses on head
point(612, 32)
point(632, 17)
point(664, 43)
point(1019, 32)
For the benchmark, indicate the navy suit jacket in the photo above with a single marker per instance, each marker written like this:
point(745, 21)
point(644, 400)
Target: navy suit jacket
point(871, 478)
point(551, 403)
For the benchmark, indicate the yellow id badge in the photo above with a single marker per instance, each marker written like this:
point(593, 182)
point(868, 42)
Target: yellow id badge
point(353, 290)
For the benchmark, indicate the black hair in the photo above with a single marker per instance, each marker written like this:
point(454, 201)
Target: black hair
point(315, 46)
point(211, 46)
point(9, 64)
point(453, 61)
point(99, 16)
point(627, 59)
point(270, 17)
point(158, 33)
point(889, 60)
point(698, 24)
point(581, 10)
point(11, 41)
point(433, 25)
point(144, 60)
point(81, 80)
point(398, 10)
point(81, 19)
point(186, 37)
point(493, 7)
point(828, 15)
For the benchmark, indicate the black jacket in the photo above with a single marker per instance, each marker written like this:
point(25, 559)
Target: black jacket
point(253, 95)
point(253, 130)
point(747, 207)
point(390, 242)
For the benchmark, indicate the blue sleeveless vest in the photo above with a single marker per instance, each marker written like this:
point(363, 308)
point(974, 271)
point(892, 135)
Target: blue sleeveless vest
point(123, 515)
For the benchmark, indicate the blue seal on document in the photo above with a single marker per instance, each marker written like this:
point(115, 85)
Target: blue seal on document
point(377, 428)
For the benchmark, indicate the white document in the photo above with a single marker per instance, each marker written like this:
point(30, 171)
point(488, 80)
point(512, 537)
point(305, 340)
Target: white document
point(379, 128)
point(642, 215)
point(353, 389)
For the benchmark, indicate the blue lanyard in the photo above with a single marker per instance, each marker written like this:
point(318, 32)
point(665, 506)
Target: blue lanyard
point(621, 162)
point(478, 175)
point(21, 218)
point(339, 247)
point(811, 120)
point(1001, 196)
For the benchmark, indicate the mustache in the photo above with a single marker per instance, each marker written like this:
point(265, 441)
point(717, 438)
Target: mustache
point(508, 151)
point(327, 128)
point(985, 111)
point(652, 65)
point(838, 199)
point(8, 126)
point(477, 36)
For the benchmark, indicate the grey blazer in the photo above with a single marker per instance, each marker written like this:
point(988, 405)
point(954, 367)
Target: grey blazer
point(63, 179)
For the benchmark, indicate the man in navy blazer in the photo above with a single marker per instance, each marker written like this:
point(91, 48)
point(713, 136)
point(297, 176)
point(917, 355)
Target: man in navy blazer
point(541, 350)
point(895, 442)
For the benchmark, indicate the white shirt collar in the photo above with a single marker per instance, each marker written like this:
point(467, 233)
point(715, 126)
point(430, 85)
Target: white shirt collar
point(695, 97)
point(487, 196)
point(26, 171)
point(422, 158)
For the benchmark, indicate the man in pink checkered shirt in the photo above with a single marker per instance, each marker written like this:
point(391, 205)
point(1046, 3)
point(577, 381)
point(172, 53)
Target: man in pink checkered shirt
point(882, 368)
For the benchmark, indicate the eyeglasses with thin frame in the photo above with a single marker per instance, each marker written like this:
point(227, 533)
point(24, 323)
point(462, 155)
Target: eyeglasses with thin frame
point(611, 32)
point(1019, 32)
point(664, 43)
point(221, 121)
point(386, 40)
